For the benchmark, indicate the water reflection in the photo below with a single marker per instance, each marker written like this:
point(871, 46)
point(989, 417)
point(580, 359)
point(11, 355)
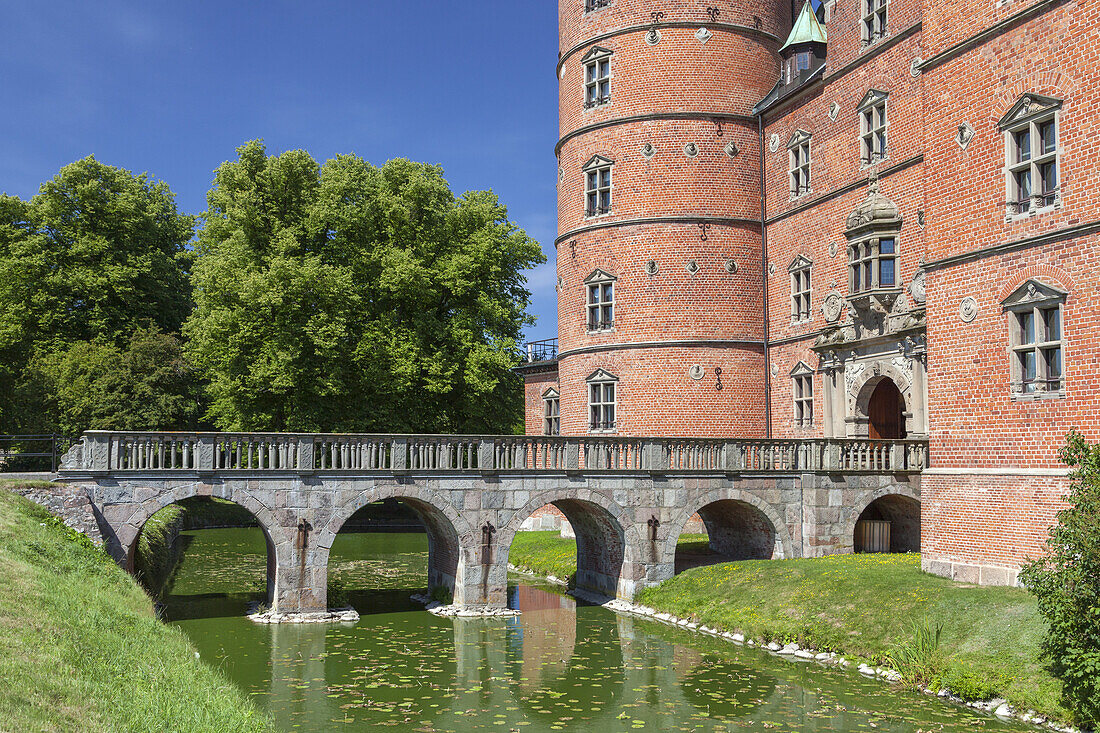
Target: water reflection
point(557, 667)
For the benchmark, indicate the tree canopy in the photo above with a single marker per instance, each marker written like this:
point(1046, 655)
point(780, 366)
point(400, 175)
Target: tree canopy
point(349, 297)
point(98, 254)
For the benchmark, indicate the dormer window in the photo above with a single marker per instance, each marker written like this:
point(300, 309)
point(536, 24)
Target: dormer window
point(797, 64)
point(799, 156)
point(1030, 131)
point(872, 127)
point(600, 308)
point(597, 186)
point(1035, 327)
point(597, 77)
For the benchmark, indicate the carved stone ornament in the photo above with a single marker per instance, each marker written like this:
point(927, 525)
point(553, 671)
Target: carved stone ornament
point(691, 150)
point(773, 142)
point(692, 267)
point(561, 175)
point(914, 66)
point(651, 267)
point(964, 135)
point(561, 73)
point(831, 307)
point(561, 283)
point(648, 151)
point(771, 268)
point(731, 150)
point(653, 37)
point(834, 110)
point(731, 267)
point(703, 35)
point(775, 370)
point(697, 372)
point(916, 287)
point(968, 309)
point(832, 249)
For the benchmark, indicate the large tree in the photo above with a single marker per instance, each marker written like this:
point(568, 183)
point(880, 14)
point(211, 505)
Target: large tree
point(97, 255)
point(347, 297)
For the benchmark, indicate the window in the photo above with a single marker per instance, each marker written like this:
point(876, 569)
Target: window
point(1035, 339)
point(796, 65)
point(872, 126)
point(601, 401)
point(597, 186)
point(803, 385)
point(600, 303)
point(1031, 154)
point(798, 149)
point(872, 264)
point(590, 5)
point(597, 77)
point(874, 20)
point(551, 421)
point(800, 289)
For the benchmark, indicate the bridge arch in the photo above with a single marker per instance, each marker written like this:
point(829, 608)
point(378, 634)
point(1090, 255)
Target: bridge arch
point(605, 533)
point(449, 534)
point(127, 535)
point(734, 519)
point(898, 503)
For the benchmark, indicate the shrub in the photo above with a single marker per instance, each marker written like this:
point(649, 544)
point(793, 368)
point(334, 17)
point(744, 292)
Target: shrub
point(442, 596)
point(1067, 585)
point(338, 596)
point(969, 684)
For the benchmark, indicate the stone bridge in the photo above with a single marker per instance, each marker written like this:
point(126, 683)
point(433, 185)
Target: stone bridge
point(627, 498)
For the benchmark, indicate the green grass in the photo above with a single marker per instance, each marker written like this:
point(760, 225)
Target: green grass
point(862, 606)
point(80, 648)
point(866, 606)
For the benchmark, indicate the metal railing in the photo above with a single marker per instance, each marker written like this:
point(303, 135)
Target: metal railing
point(545, 350)
point(114, 452)
point(31, 452)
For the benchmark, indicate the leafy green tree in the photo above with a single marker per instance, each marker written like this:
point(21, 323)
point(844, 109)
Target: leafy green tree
point(95, 385)
point(1067, 584)
point(347, 297)
point(98, 254)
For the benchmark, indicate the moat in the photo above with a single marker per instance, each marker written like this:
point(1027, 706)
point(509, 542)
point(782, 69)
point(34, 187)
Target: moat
point(559, 666)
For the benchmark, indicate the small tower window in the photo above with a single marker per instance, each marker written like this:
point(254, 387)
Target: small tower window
point(597, 186)
point(600, 305)
point(601, 401)
point(873, 124)
point(597, 77)
point(798, 151)
point(590, 5)
point(551, 404)
point(802, 384)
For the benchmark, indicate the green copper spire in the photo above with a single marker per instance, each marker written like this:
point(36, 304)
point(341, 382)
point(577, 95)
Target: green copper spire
point(807, 29)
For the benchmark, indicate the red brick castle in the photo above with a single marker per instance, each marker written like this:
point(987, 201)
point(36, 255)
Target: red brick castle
point(875, 220)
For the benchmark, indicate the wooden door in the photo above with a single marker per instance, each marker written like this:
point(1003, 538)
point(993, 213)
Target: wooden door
point(885, 412)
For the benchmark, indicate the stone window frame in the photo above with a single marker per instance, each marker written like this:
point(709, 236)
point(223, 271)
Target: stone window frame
point(591, 6)
point(801, 271)
point(802, 395)
point(1029, 309)
point(551, 412)
point(865, 257)
point(596, 66)
point(603, 396)
point(602, 285)
point(799, 164)
point(874, 128)
point(1031, 114)
point(597, 186)
point(874, 22)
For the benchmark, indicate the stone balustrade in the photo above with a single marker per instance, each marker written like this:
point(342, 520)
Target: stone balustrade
point(141, 452)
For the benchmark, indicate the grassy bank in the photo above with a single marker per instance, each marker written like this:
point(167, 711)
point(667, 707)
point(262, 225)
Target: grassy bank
point(547, 553)
point(81, 649)
point(863, 606)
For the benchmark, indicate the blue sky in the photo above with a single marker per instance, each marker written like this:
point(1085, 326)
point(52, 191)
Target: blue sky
point(172, 88)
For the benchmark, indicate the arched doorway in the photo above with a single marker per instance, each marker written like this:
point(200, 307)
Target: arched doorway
point(734, 530)
point(889, 524)
point(886, 412)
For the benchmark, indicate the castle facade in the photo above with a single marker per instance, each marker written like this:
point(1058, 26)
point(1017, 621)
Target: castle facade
point(873, 220)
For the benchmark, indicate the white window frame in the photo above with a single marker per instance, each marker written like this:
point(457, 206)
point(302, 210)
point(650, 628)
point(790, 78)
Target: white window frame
point(603, 395)
point(597, 77)
point(801, 270)
point(874, 128)
point(798, 164)
point(802, 394)
point(599, 302)
point(1030, 114)
point(1031, 304)
point(551, 412)
point(865, 257)
point(597, 186)
point(875, 21)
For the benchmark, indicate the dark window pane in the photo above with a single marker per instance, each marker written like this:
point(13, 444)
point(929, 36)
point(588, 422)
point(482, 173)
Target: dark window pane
point(1022, 141)
point(1049, 173)
point(1027, 366)
point(886, 246)
point(886, 271)
point(1047, 139)
point(1027, 328)
point(1023, 186)
point(1052, 320)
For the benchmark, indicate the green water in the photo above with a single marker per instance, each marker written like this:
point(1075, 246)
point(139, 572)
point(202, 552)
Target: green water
point(557, 667)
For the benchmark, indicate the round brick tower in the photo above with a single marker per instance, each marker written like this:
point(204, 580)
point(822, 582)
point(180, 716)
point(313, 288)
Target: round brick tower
point(660, 303)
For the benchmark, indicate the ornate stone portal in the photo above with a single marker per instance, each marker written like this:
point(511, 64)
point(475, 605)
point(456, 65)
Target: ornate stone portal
point(881, 335)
